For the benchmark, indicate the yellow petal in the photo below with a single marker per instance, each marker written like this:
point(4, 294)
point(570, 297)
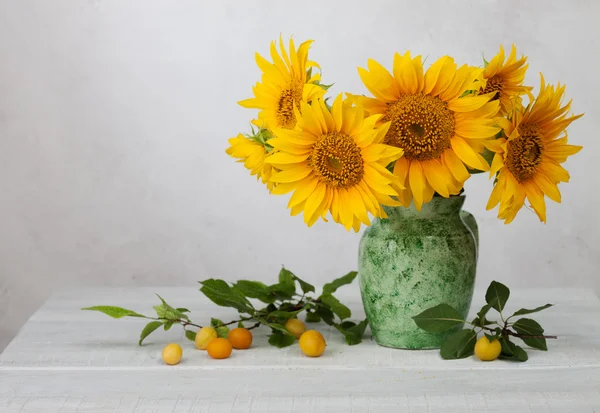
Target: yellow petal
point(417, 183)
point(468, 155)
point(455, 166)
point(436, 176)
point(292, 174)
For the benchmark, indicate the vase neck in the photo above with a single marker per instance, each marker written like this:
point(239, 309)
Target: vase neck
point(438, 207)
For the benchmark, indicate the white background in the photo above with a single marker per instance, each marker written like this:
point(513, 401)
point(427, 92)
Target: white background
point(115, 115)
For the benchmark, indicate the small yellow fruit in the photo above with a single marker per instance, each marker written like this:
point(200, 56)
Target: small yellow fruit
point(172, 353)
point(240, 338)
point(312, 343)
point(486, 350)
point(219, 348)
point(295, 327)
point(205, 336)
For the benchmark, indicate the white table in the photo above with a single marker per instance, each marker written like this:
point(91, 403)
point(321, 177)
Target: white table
point(66, 360)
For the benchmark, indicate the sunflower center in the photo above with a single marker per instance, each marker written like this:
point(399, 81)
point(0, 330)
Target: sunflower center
point(337, 160)
point(422, 125)
point(525, 153)
point(289, 98)
point(493, 84)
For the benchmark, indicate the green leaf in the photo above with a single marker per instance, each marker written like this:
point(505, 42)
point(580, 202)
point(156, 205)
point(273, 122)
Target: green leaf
point(254, 289)
point(114, 312)
point(438, 319)
point(279, 327)
point(278, 339)
point(165, 311)
point(149, 329)
point(325, 314)
point(282, 291)
point(168, 325)
point(497, 295)
point(183, 310)
point(240, 325)
point(304, 286)
point(220, 293)
point(353, 333)
point(480, 320)
point(312, 317)
point(531, 327)
point(222, 330)
point(334, 304)
point(332, 287)
point(190, 335)
point(524, 311)
point(459, 345)
point(510, 351)
point(285, 314)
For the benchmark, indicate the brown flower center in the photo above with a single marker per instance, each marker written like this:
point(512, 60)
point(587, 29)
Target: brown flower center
point(289, 98)
point(493, 84)
point(337, 160)
point(422, 125)
point(525, 153)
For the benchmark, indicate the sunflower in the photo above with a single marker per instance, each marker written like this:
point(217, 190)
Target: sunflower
point(438, 130)
point(285, 83)
point(334, 161)
point(252, 153)
point(528, 161)
point(505, 79)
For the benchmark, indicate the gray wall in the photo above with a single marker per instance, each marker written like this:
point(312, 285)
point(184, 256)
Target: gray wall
point(114, 118)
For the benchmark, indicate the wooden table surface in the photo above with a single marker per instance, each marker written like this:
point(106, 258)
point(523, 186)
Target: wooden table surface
point(67, 360)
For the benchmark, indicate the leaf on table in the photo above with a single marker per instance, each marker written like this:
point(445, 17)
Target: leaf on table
point(438, 319)
point(278, 339)
point(114, 312)
point(511, 351)
point(149, 329)
point(458, 345)
point(220, 293)
point(336, 306)
point(497, 295)
point(332, 287)
point(353, 333)
point(529, 327)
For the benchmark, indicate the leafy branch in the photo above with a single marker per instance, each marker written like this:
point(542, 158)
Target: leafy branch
point(280, 301)
point(461, 344)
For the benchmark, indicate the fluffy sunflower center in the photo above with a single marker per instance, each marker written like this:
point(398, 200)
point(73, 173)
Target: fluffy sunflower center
point(525, 153)
point(422, 125)
point(289, 98)
point(337, 160)
point(493, 84)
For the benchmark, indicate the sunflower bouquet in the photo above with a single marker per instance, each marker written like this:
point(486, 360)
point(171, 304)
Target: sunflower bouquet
point(421, 134)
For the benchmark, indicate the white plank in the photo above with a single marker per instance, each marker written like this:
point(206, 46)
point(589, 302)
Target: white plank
point(78, 361)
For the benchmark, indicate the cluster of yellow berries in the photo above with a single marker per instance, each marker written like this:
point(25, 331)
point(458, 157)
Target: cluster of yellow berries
point(312, 343)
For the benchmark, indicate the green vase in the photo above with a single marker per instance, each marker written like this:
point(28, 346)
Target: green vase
point(414, 260)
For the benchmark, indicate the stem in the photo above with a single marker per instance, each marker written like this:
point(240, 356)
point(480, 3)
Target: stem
point(236, 321)
point(255, 325)
point(188, 323)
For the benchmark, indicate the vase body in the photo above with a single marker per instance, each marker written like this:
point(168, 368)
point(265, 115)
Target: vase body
point(414, 260)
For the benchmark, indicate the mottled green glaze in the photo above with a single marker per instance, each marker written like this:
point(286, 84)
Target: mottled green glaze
point(414, 260)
